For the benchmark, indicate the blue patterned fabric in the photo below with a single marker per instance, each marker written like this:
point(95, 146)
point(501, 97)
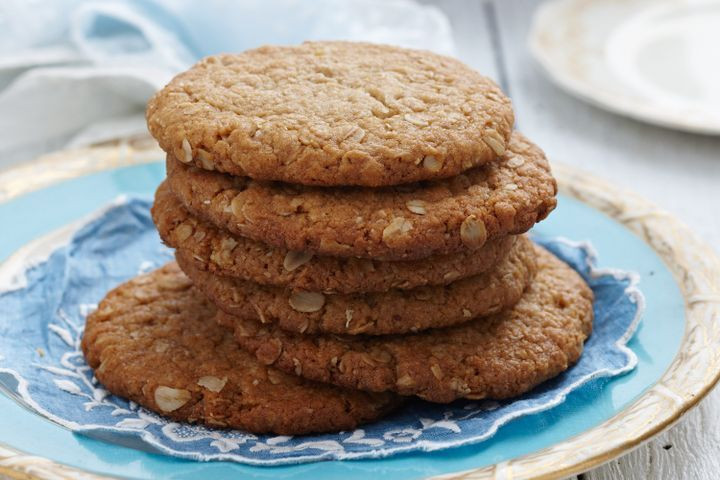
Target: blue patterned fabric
point(43, 308)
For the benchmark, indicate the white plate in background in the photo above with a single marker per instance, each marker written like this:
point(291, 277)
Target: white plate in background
point(654, 60)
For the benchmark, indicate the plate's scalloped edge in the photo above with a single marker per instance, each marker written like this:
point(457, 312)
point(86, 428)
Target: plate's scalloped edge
point(17, 465)
point(67, 164)
point(691, 375)
point(689, 378)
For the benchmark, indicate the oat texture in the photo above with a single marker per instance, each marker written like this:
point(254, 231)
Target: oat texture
point(504, 197)
point(391, 312)
point(332, 113)
point(220, 252)
point(495, 357)
point(153, 341)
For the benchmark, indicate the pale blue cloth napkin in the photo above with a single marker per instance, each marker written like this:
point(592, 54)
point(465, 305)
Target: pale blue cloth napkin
point(76, 72)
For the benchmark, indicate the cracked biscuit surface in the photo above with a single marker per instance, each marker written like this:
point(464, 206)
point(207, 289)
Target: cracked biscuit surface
point(391, 312)
point(498, 357)
point(332, 113)
point(153, 340)
point(220, 252)
point(504, 197)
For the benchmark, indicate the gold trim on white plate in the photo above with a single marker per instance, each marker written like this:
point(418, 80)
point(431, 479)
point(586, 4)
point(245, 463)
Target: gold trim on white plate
point(614, 54)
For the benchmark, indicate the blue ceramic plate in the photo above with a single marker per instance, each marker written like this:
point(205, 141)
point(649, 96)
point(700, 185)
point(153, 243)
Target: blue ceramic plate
point(530, 446)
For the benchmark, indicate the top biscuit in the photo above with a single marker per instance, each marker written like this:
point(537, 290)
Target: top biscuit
point(332, 113)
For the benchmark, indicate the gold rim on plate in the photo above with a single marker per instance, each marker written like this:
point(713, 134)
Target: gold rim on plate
point(692, 374)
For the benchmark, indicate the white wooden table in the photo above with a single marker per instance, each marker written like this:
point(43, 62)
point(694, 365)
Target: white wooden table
point(679, 172)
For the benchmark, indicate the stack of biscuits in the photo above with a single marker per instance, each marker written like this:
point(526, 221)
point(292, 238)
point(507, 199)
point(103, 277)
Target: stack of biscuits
point(348, 223)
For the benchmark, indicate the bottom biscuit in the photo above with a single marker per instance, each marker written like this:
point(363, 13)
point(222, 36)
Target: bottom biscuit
point(152, 340)
point(499, 356)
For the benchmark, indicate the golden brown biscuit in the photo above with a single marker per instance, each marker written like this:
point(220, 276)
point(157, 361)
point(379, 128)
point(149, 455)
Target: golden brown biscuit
point(382, 313)
point(220, 252)
point(332, 113)
point(153, 341)
point(495, 357)
point(504, 197)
